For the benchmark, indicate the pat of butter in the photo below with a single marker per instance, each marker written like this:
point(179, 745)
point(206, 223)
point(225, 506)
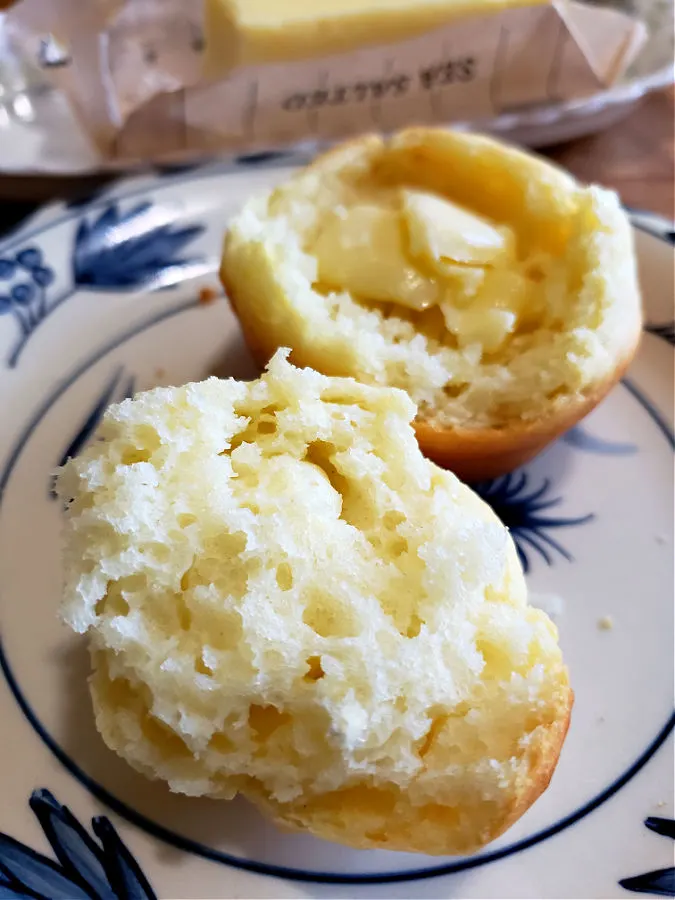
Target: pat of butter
point(487, 327)
point(253, 32)
point(361, 250)
point(443, 234)
point(492, 314)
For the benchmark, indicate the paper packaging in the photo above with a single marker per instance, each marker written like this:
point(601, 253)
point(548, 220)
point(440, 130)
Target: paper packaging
point(134, 75)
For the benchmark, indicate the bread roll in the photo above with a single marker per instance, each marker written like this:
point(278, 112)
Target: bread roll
point(285, 599)
point(488, 284)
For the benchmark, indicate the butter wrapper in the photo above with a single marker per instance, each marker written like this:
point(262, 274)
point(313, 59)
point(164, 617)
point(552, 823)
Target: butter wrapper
point(133, 71)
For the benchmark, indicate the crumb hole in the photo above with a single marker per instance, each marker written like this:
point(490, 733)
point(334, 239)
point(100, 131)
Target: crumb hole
point(264, 720)
point(246, 436)
point(414, 626)
point(265, 424)
point(159, 552)
point(186, 519)
point(113, 603)
point(393, 519)
point(455, 390)
point(535, 273)
point(339, 398)
point(498, 663)
point(221, 743)
point(133, 455)
point(314, 669)
point(329, 617)
point(164, 738)
point(184, 614)
point(201, 667)
point(558, 392)
point(354, 510)
point(319, 454)
point(323, 289)
point(284, 576)
point(271, 410)
point(429, 739)
point(120, 693)
point(146, 442)
point(378, 837)
point(398, 547)
point(227, 635)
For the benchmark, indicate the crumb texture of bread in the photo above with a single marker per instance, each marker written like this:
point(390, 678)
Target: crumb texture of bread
point(482, 280)
point(285, 599)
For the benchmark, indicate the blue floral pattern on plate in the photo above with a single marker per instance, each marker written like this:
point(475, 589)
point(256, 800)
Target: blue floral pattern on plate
point(660, 882)
point(580, 438)
point(84, 868)
point(112, 251)
point(520, 508)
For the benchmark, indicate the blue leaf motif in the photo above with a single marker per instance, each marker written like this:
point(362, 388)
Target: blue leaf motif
point(660, 882)
point(659, 825)
point(7, 269)
point(29, 258)
point(128, 250)
point(7, 893)
point(24, 868)
point(83, 870)
point(80, 857)
point(42, 276)
point(112, 250)
point(22, 293)
point(124, 873)
point(520, 509)
point(581, 439)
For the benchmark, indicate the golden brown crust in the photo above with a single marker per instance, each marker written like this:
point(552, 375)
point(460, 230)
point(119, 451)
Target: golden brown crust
point(476, 454)
point(392, 824)
point(260, 342)
point(542, 761)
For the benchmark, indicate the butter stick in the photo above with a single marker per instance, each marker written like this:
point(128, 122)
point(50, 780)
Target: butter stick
point(254, 32)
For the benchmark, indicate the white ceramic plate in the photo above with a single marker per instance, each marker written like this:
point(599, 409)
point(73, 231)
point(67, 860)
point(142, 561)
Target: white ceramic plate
point(103, 299)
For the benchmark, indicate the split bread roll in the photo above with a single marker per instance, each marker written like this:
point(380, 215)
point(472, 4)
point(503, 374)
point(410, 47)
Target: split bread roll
point(285, 599)
point(488, 284)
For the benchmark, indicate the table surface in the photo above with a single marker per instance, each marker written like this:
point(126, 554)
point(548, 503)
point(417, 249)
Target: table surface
point(635, 157)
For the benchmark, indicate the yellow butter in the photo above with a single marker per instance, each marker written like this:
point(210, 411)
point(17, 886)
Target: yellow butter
point(479, 325)
point(361, 250)
point(443, 234)
point(251, 32)
point(498, 307)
